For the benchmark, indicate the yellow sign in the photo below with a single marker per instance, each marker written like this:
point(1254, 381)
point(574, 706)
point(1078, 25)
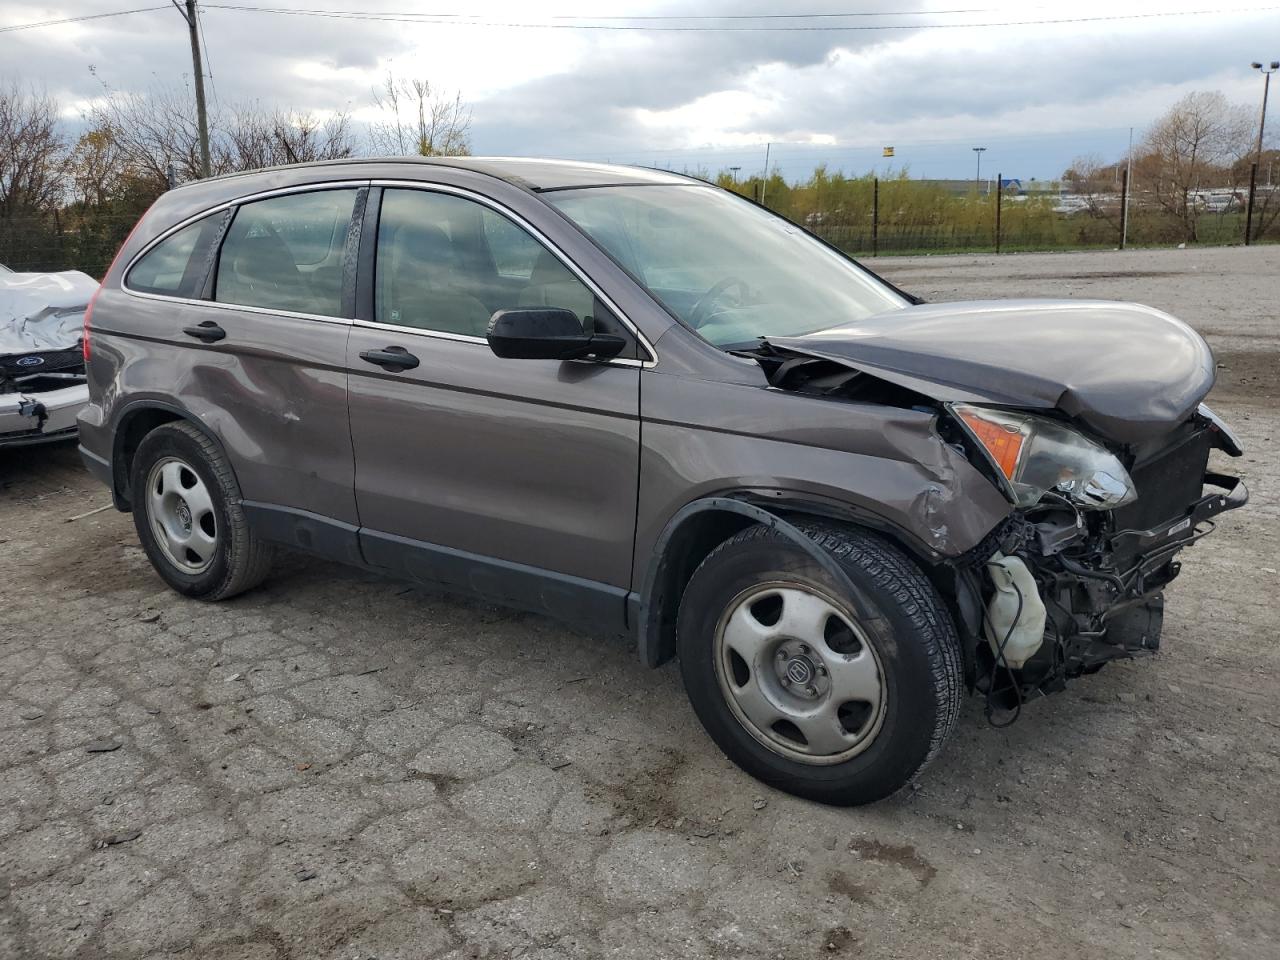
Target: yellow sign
point(888, 151)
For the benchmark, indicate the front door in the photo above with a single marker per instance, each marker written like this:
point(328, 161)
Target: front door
point(513, 479)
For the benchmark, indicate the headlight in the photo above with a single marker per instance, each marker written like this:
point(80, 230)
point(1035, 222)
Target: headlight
point(1036, 455)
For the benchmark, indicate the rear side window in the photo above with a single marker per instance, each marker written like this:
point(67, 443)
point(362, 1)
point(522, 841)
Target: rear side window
point(175, 266)
point(286, 253)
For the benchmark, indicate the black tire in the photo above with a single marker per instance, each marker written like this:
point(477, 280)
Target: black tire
point(907, 623)
point(240, 560)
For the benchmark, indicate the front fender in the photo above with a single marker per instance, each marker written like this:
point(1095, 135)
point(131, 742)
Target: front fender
point(694, 531)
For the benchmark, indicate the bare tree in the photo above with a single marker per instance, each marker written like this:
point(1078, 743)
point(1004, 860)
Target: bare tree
point(156, 129)
point(33, 152)
point(420, 119)
point(1193, 144)
point(1096, 183)
point(153, 131)
point(253, 137)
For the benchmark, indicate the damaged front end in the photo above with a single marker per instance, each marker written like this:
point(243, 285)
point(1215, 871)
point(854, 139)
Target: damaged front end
point(42, 375)
point(1106, 485)
point(1069, 583)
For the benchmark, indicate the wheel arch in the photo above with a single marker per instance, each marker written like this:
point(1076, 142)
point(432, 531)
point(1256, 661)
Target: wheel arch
point(136, 421)
point(702, 525)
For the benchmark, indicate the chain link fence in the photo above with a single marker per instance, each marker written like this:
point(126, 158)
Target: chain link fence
point(62, 240)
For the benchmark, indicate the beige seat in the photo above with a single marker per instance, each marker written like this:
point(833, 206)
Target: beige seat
point(425, 286)
point(552, 285)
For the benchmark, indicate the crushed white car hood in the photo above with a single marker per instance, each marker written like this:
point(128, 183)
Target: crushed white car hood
point(43, 311)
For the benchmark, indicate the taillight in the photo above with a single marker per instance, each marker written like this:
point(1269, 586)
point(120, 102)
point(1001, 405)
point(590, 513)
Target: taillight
point(88, 313)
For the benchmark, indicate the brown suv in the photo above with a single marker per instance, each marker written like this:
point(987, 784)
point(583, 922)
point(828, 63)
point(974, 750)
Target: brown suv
point(647, 406)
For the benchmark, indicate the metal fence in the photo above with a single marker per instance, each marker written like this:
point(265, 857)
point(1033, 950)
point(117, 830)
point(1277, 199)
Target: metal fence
point(870, 217)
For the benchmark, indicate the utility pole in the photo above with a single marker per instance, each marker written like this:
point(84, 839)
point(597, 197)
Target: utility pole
point(977, 177)
point(197, 70)
point(999, 198)
point(1266, 71)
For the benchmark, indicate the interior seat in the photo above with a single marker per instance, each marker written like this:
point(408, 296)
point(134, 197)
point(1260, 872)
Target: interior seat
point(552, 285)
point(263, 273)
point(425, 286)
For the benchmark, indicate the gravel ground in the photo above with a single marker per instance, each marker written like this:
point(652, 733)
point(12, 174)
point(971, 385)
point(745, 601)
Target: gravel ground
point(341, 766)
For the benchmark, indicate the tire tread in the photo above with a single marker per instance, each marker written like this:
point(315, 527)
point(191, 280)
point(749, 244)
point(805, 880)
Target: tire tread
point(892, 571)
point(249, 557)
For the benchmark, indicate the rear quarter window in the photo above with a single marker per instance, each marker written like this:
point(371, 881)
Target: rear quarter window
point(175, 266)
point(286, 253)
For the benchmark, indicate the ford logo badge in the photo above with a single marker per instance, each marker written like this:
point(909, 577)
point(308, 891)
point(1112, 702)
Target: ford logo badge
point(30, 361)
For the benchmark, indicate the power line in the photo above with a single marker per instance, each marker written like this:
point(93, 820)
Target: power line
point(665, 21)
point(88, 16)
point(457, 20)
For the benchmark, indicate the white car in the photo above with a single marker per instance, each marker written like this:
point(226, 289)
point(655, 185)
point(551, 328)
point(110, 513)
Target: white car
point(42, 382)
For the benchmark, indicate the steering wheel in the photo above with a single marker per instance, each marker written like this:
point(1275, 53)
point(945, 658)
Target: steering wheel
point(702, 311)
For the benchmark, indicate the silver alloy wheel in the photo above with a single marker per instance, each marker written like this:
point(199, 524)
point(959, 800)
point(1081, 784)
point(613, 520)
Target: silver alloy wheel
point(799, 673)
point(181, 515)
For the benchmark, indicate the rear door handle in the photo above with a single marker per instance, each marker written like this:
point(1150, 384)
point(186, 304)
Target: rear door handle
point(208, 331)
point(392, 358)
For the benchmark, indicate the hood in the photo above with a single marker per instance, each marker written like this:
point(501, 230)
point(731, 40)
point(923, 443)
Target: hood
point(1126, 371)
point(42, 311)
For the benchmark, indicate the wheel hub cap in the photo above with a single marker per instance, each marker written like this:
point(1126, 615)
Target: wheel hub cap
point(181, 515)
point(800, 673)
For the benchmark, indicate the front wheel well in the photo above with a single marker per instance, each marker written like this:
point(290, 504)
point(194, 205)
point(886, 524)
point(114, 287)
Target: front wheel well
point(687, 545)
point(704, 526)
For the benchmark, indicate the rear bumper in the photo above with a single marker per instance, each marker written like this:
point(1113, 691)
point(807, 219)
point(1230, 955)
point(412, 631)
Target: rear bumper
point(28, 418)
point(100, 467)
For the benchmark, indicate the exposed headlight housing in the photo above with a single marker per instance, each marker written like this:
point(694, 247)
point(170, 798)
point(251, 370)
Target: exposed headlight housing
point(1036, 455)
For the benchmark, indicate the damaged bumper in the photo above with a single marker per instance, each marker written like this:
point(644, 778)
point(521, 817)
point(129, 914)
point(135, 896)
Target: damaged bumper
point(41, 417)
point(1098, 590)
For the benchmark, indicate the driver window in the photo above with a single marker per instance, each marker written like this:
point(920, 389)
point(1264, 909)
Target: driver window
point(286, 253)
point(447, 264)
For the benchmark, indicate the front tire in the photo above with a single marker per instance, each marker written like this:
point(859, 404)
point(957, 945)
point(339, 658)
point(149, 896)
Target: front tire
point(835, 697)
point(186, 509)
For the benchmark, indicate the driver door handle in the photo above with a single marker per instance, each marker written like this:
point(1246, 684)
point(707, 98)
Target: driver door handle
point(390, 358)
point(208, 331)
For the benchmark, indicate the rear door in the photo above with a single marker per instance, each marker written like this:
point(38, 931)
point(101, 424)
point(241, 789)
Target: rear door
point(514, 479)
point(261, 352)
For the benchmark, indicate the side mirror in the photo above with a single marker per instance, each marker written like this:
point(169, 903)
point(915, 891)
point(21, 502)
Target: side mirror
point(547, 333)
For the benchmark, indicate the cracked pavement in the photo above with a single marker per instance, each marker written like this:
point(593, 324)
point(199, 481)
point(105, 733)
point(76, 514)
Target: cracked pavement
point(340, 766)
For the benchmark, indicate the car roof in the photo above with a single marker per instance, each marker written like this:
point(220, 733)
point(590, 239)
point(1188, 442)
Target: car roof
point(531, 173)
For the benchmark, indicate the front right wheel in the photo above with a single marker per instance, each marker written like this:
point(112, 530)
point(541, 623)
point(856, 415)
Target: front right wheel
point(835, 695)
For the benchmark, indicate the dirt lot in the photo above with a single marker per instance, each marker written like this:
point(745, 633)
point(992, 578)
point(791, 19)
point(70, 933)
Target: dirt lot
point(339, 766)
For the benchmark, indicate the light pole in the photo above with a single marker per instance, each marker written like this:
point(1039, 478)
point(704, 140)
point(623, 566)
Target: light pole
point(1266, 71)
point(977, 177)
point(734, 171)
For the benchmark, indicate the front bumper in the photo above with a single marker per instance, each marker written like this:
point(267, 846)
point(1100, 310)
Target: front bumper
point(43, 417)
point(1149, 549)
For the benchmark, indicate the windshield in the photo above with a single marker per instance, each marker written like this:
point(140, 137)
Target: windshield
point(727, 268)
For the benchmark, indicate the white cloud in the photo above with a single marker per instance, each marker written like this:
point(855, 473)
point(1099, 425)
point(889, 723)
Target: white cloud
point(697, 96)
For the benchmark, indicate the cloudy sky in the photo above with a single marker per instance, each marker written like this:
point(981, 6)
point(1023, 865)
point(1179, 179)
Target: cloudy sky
point(595, 80)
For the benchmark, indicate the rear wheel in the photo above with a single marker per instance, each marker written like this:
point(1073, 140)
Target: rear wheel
point(186, 509)
point(836, 696)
